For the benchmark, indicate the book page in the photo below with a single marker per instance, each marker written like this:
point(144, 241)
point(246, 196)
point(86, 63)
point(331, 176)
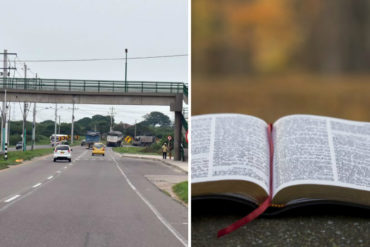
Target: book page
point(321, 150)
point(229, 147)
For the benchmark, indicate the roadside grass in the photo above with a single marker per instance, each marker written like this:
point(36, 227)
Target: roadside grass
point(181, 190)
point(27, 155)
point(133, 150)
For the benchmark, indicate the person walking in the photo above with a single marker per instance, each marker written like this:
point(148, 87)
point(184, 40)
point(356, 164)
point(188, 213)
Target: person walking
point(164, 150)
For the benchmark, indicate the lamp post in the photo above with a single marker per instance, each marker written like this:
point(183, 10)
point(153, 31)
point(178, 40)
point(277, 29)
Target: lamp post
point(126, 70)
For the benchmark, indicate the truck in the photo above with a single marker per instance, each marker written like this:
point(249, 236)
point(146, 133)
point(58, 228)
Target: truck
point(143, 140)
point(91, 138)
point(114, 139)
point(59, 139)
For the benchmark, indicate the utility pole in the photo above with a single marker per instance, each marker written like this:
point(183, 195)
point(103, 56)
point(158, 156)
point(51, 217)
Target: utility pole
point(6, 142)
point(73, 119)
point(9, 116)
point(5, 75)
point(126, 70)
point(135, 129)
point(4, 130)
point(24, 131)
point(34, 126)
point(3, 120)
point(5, 64)
point(55, 125)
point(111, 118)
point(59, 125)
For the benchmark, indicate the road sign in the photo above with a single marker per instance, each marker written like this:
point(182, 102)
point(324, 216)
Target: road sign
point(128, 139)
point(169, 138)
point(186, 136)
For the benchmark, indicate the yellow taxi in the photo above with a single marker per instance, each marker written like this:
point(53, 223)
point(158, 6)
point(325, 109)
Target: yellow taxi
point(98, 148)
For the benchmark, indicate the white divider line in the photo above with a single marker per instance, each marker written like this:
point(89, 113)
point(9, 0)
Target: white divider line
point(50, 177)
point(12, 198)
point(154, 210)
point(36, 185)
point(83, 153)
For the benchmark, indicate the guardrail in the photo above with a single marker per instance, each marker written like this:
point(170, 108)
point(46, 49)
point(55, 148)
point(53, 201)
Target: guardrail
point(93, 85)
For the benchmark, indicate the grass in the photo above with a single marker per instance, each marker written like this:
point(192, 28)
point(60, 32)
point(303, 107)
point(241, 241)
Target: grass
point(181, 190)
point(132, 150)
point(27, 155)
point(271, 97)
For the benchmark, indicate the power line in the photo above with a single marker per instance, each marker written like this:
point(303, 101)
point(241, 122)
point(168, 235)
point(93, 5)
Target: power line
point(98, 59)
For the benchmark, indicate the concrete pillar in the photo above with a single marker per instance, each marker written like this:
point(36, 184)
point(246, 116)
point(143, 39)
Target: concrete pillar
point(177, 135)
point(177, 108)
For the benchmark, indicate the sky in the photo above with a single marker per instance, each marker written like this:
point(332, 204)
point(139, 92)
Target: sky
point(84, 29)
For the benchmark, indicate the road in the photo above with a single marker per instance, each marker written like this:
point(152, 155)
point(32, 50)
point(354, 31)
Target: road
point(92, 201)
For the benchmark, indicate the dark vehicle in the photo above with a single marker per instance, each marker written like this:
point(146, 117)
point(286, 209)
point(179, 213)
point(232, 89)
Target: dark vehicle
point(114, 139)
point(92, 137)
point(19, 145)
point(143, 140)
point(83, 142)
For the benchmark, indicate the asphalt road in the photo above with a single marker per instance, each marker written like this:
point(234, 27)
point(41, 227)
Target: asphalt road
point(92, 201)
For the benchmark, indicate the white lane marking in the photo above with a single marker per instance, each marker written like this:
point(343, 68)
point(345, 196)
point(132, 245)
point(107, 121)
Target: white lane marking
point(12, 198)
point(50, 177)
point(154, 210)
point(65, 167)
point(70, 164)
point(83, 153)
point(36, 185)
point(58, 171)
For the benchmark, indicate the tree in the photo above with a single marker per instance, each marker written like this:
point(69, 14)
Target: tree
point(156, 118)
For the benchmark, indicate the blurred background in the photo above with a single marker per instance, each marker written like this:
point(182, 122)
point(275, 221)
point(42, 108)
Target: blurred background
point(270, 58)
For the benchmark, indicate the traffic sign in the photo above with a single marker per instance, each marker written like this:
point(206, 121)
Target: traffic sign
point(128, 139)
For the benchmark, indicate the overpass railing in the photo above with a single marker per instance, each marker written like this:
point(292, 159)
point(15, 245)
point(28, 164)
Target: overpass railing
point(93, 85)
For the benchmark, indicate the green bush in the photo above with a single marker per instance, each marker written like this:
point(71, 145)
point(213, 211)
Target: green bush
point(181, 190)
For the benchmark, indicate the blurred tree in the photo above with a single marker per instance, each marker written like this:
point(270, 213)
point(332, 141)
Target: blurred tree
point(156, 118)
point(264, 36)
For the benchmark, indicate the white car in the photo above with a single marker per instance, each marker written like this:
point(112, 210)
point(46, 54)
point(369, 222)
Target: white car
point(62, 152)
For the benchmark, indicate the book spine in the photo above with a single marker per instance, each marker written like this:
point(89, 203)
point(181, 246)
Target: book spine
point(271, 145)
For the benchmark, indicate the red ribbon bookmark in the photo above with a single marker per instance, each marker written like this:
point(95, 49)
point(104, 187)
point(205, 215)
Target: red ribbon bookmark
point(254, 214)
point(261, 208)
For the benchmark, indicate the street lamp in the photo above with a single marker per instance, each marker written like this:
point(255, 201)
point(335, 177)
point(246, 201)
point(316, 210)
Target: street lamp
point(126, 50)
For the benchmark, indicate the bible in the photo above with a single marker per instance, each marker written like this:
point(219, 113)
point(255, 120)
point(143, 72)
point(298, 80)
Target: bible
point(297, 160)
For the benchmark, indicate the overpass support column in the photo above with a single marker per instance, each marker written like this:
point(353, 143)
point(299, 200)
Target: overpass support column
point(177, 108)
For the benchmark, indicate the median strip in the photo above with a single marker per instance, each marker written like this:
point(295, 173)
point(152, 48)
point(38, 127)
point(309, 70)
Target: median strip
point(17, 157)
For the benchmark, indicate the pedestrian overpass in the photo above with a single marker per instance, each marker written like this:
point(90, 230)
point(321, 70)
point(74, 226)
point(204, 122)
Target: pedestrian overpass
point(70, 91)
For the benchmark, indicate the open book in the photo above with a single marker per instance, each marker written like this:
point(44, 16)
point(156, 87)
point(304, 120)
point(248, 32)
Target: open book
point(298, 159)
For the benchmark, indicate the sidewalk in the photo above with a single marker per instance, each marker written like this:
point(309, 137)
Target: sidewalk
point(183, 166)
